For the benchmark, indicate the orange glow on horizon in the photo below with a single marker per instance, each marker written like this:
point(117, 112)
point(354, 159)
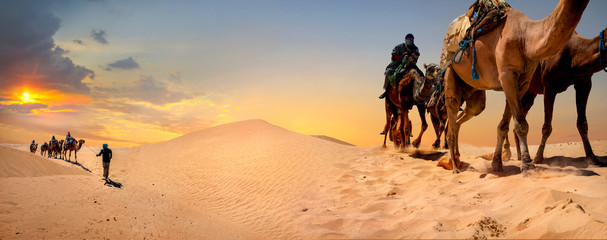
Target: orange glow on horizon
point(49, 97)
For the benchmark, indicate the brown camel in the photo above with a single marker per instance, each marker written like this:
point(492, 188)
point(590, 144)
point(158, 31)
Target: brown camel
point(44, 148)
point(412, 90)
point(573, 65)
point(394, 106)
point(55, 149)
point(72, 147)
point(33, 148)
point(436, 104)
point(506, 58)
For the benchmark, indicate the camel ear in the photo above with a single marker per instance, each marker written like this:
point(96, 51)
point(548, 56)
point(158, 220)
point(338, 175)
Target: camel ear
point(425, 66)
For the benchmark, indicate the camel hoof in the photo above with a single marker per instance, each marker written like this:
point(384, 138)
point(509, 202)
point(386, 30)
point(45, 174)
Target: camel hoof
point(497, 166)
point(416, 144)
point(538, 159)
point(456, 171)
point(527, 166)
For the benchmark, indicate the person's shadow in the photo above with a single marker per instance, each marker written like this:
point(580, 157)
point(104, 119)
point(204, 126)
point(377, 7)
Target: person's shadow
point(111, 183)
point(79, 165)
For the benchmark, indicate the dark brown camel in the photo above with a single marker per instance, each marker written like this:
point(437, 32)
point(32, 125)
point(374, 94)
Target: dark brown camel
point(573, 65)
point(506, 58)
point(72, 146)
point(436, 105)
point(33, 148)
point(44, 148)
point(55, 149)
point(412, 90)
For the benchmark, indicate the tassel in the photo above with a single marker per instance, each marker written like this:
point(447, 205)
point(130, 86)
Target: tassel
point(474, 73)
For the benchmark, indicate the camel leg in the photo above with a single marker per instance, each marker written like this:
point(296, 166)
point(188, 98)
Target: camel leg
point(388, 120)
point(582, 90)
point(509, 81)
point(404, 121)
point(549, 97)
point(422, 116)
point(502, 139)
point(475, 104)
point(436, 124)
point(453, 94)
point(75, 156)
point(445, 130)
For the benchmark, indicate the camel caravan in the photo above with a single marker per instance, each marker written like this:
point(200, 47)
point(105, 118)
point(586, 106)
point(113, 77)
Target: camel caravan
point(495, 47)
point(59, 148)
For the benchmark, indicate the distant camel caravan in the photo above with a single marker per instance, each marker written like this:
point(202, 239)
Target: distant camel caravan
point(72, 146)
point(503, 59)
point(573, 65)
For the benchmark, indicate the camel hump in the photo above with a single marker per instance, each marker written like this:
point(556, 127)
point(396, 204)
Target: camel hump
point(482, 17)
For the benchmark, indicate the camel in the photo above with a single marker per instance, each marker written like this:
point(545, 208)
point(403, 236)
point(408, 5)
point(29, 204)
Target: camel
point(438, 113)
point(412, 90)
point(55, 149)
point(505, 59)
point(573, 65)
point(72, 147)
point(33, 148)
point(44, 148)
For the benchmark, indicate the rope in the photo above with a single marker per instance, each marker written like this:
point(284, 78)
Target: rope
point(601, 46)
point(91, 149)
point(393, 77)
point(463, 46)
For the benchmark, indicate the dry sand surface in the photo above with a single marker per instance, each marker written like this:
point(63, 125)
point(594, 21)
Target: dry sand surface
point(253, 180)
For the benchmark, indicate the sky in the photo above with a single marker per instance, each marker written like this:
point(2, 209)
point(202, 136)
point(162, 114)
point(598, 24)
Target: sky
point(129, 73)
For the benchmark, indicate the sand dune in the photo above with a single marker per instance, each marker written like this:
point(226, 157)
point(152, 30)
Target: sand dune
point(253, 180)
point(17, 164)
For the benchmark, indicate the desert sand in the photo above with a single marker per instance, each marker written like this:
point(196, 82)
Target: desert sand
point(254, 180)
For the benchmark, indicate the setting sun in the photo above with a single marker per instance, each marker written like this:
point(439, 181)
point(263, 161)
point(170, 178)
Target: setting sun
point(26, 98)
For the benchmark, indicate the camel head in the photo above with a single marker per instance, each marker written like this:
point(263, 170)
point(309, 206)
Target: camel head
point(80, 142)
point(433, 72)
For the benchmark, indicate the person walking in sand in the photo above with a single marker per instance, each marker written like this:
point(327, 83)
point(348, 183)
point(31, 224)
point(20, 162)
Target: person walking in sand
point(107, 156)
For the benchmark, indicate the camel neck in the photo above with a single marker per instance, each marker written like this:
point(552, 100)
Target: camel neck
point(547, 36)
point(586, 54)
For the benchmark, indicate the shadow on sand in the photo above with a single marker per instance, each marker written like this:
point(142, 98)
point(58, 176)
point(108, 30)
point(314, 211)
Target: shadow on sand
point(562, 161)
point(427, 155)
point(77, 164)
point(541, 172)
point(108, 182)
point(111, 183)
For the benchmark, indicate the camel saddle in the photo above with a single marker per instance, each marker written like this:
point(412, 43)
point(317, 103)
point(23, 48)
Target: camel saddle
point(482, 17)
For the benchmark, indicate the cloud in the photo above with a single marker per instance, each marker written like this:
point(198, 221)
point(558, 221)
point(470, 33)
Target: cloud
point(99, 36)
point(25, 108)
point(175, 77)
point(127, 63)
point(146, 89)
point(28, 54)
point(78, 41)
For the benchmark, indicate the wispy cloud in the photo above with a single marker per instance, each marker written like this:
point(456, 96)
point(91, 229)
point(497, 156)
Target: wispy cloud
point(127, 63)
point(99, 36)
